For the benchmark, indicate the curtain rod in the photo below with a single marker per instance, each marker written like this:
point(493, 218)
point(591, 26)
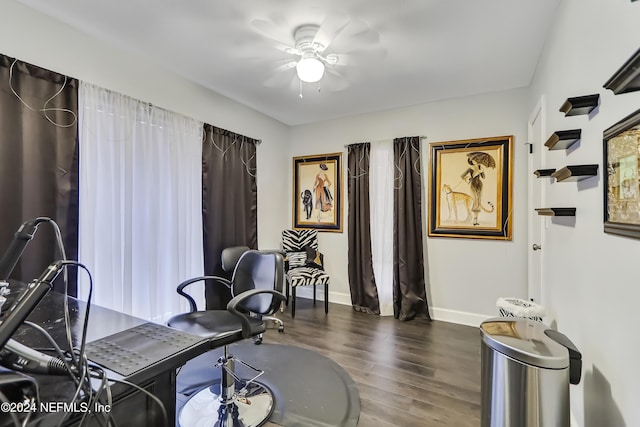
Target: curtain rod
point(380, 140)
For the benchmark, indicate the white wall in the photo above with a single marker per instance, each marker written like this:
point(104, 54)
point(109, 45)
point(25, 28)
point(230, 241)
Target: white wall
point(39, 40)
point(591, 278)
point(465, 276)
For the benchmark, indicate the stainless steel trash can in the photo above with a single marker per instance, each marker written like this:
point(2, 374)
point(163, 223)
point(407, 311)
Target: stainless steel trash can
point(526, 371)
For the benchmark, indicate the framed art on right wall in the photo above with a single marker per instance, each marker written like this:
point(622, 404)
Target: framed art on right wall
point(470, 183)
point(621, 182)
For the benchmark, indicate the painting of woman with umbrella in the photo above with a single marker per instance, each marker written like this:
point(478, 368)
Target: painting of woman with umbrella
point(470, 183)
point(474, 176)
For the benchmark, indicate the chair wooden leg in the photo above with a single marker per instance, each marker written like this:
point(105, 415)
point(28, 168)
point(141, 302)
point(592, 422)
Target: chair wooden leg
point(326, 299)
point(314, 294)
point(293, 301)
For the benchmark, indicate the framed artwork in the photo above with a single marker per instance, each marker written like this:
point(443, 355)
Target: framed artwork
point(621, 189)
point(470, 183)
point(317, 192)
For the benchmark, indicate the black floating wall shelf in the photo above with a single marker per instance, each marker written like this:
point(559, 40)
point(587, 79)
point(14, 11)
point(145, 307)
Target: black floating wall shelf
point(543, 172)
point(580, 105)
point(627, 78)
point(563, 139)
point(575, 173)
point(556, 211)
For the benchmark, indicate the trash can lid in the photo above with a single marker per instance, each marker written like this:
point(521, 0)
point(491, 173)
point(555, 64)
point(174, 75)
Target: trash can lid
point(524, 340)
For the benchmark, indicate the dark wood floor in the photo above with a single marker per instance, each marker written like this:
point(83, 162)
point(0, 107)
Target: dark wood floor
point(416, 373)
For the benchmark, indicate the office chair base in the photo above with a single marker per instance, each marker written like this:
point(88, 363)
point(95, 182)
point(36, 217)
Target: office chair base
point(250, 409)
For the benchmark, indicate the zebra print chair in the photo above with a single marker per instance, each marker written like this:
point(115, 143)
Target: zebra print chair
point(304, 265)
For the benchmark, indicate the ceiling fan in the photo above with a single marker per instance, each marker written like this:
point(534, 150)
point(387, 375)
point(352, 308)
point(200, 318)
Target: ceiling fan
point(311, 65)
point(314, 49)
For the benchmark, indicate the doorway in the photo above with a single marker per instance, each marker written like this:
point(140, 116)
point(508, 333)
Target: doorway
point(536, 187)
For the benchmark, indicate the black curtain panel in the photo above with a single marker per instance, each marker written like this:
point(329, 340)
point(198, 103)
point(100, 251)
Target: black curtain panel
point(229, 202)
point(364, 293)
point(38, 163)
point(409, 293)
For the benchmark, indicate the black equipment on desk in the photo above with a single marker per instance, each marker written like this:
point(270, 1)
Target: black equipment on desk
point(14, 355)
point(18, 244)
point(141, 347)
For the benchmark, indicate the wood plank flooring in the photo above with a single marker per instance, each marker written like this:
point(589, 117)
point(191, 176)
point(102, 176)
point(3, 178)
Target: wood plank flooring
point(416, 373)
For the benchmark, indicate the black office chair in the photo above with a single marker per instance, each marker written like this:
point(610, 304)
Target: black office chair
point(229, 258)
point(256, 288)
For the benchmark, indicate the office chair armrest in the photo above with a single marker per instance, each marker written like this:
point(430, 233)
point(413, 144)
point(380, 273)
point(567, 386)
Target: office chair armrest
point(244, 317)
point(192, 303)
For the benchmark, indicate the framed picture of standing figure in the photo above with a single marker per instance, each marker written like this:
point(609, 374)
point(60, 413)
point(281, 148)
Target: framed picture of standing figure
point(470, 188)
point(622, 180)
point(317, 192)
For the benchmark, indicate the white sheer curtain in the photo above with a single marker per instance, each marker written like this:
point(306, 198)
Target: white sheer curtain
point(381, 198)
point(140, 230)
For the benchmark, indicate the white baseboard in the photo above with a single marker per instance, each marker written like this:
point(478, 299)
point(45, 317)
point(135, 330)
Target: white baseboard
point(459, 317)
point(441, 314)
point(339, 298)
point(334, 297)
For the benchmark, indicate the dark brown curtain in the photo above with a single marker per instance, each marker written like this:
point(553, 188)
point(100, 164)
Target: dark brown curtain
point(409, 293)
point(364, 293)
point(229, 202)
point(38, 163)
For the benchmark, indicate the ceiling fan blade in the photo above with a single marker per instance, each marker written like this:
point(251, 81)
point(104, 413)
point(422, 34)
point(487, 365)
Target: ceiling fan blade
point(353, 33)
point(334, 81)
point(284, 67)
point(278, 80)
point(281, 75)
point(362, 34)
point(258, 53)
point(331, 29)
point(276, 34)
point(360, 57)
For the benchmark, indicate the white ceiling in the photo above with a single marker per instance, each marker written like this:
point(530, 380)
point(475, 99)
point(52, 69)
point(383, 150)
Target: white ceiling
point(392, 53)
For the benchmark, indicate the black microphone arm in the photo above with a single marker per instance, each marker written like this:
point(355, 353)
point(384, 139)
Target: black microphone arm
point(18, 244)
point(14, 355)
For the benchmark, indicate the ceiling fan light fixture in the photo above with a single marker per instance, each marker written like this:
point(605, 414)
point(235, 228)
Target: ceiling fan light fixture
point(310, 69)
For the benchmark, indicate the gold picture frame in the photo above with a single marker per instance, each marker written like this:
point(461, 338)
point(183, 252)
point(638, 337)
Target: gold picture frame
point(621, 182)
point(317, 192)
point(470, 184)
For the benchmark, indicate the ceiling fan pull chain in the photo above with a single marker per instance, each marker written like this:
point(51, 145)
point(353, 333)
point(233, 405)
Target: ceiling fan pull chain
point(301, 89)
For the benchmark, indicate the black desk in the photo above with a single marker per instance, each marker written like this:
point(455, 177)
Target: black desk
point(130, 407)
